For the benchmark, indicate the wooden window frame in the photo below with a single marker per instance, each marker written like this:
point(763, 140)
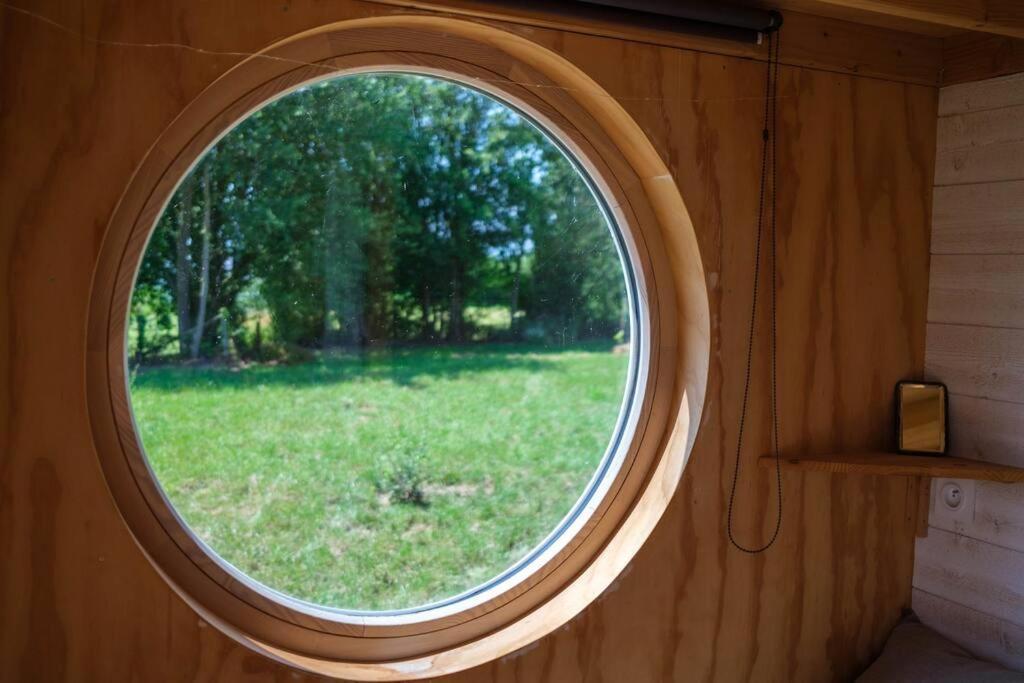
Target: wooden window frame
point(672, 362)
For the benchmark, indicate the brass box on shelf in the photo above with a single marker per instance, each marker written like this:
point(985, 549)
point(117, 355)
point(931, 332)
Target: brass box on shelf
point(922, 418)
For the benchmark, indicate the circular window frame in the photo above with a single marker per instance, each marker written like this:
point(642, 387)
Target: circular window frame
point(670, 367)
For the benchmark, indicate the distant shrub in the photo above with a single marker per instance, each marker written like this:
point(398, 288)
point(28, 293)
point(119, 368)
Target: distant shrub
point(402, 478)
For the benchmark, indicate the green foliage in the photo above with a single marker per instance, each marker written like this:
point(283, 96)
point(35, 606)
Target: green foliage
point(378, 209)
point(402, 477)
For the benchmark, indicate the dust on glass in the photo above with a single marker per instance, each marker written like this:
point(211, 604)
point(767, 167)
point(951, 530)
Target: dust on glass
point(379, 342)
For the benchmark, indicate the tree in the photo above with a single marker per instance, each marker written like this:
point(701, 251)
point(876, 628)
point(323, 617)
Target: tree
point(378, 208)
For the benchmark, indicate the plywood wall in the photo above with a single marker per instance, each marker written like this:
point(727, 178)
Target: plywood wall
point(969, 572)
point(88, 87)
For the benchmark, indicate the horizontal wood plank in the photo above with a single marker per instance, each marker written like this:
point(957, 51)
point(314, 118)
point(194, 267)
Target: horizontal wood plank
point(981, 634)
point(973, 573)
point(993, 93)
point(999, 515)
point(977, 290)
point(985, 164)
point(984, 362)
point(978, 219)
point(992, 512)
point(898, 465)
point(977, 129)
point(986, 430)
point(978, 56)
point(1003, 17)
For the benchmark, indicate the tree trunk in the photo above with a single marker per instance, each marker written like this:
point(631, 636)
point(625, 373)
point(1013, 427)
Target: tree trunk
point(426, 324)
point(225, 340)
point(140, 345)
point(456, 309)
point(513, 304)
point(204, 266)
point(332, 266)
point(183, 268)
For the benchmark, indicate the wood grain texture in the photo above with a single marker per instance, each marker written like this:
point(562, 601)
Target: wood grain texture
point(846, 12)
point(82, 602)
point(976, 574)
point(992, 93)
point(969, 565)
point(982, 634)
point(982, 164)
point(979, 219)
point(819, 42)
point(993, 513)
point(977, 290)
point(983, 362)
point(980, 128)
point(987, 430)
point(981, 146)
point(1003, 17)
point(898, 465)
point(978, 56)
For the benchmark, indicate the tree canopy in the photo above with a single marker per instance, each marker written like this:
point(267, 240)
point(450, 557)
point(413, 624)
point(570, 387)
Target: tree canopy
point(377, 209)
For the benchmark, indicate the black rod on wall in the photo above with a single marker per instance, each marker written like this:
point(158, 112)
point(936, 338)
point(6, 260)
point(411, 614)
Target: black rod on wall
point(741, 23)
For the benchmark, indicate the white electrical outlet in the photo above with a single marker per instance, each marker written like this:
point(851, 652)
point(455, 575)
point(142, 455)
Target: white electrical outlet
point(952, 504)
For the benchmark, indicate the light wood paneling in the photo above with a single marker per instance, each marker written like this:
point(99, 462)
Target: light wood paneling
point(981, 95)
point(977, 290)
point(971, 562)
point(985, 144)
point(984, 362)
point(978, 129)
point(976, 574)
point(999, 515)
point(982, 634)
point(979, 219)
point(993, 513)
point(983, 164)
point(81, 602)
point(987, 430)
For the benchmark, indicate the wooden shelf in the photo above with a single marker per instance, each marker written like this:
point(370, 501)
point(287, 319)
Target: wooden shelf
point(899, 465)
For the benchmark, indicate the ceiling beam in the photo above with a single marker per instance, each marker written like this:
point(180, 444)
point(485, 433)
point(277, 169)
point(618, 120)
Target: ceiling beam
point(1003, 17)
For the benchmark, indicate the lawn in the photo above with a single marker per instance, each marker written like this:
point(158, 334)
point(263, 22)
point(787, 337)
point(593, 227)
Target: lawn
point(385, 480)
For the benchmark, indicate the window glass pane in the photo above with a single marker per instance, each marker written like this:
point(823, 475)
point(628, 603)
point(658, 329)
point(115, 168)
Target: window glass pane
point(379, 343)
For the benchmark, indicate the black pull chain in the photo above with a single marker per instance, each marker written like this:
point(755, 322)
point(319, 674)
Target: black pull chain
point(768, 137)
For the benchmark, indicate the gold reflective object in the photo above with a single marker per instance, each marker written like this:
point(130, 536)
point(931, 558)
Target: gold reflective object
point(921, 417)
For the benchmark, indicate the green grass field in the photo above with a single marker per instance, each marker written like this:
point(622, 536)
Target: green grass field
point(382, 481)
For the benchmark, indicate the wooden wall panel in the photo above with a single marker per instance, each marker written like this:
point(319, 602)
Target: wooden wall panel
point(979, 129)
point(83, 103)
point(979, 575)
point(988, 430)
point(984, 95)
point(978, 219)
point(999, 515)
point(971, 56)
point(992, 512)
point(982, 634)
point(970, 567)
point(982, 164)
point(984, 362)
point(820, 42)
point(977, 290)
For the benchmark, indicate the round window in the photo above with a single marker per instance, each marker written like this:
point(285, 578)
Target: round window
point(380, 343)
point(397, 347)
